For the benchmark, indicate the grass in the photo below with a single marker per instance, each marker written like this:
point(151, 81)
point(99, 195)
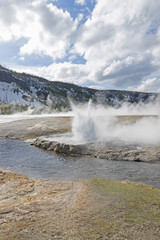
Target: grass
point(125, 210)
point(100, 210)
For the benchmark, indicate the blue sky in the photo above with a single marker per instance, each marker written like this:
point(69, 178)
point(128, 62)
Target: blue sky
point(74, 9)
point(95, 43)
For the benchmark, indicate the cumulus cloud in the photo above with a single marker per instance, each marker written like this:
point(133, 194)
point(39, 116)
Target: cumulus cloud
point(149, 85)
point(47, 28)
point(120, 41)
point(65, 72)
point(80, 2)
point(129, 70)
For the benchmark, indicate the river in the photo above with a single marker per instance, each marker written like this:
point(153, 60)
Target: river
point(21, 157)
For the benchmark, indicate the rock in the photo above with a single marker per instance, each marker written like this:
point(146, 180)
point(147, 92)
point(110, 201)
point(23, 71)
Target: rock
point(108, 151)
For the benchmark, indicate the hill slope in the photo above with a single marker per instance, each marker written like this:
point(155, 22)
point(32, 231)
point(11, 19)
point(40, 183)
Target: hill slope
point(25, 89)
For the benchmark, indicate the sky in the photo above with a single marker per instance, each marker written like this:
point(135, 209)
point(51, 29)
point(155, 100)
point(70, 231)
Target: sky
point(103, 44)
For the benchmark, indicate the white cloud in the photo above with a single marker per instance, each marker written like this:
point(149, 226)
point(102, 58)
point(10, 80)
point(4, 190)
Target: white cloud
point(150, 85)
point(22, 58)
point(129, 70)
point(120, 41)
point(80, 2)
point(47, 28)
point(66, 72)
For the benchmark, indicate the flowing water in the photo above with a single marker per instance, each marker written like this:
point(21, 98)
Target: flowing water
point(36, 163)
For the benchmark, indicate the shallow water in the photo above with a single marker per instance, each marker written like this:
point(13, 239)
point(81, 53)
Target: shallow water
point(36, 163)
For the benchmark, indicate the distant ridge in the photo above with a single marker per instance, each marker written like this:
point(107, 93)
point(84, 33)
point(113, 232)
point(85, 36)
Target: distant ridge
point(25, 89)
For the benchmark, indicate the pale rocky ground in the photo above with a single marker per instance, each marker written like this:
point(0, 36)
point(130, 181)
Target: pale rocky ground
point(42, 210)
point(35, 209)
point(37, 127)
point(106, 151)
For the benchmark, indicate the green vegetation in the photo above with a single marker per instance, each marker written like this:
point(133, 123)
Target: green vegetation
point(16, 74)
point(142, 202)
point(11, 109)
point(2, 67)
point(124, 210)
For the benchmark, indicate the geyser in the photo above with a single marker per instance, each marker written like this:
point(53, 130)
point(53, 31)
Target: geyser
point(83, 125)
point(133, 124)
point(129, 124)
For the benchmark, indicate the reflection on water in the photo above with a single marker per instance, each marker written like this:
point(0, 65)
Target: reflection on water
point(36, 163)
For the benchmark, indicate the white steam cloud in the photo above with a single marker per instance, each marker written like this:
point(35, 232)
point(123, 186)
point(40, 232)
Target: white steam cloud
point(132, 124)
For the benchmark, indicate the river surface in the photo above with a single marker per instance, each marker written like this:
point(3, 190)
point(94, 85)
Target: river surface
point(35, 163)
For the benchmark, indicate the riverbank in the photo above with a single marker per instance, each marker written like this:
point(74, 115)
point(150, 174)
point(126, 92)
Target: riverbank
point(103, 150)
point(33, 128)
point(93, 209)
point(38, 209)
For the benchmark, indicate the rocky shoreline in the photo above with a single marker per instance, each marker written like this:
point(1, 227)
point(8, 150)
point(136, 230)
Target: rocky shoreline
point(37, 209)
point(108, 151)
point(35, 128)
